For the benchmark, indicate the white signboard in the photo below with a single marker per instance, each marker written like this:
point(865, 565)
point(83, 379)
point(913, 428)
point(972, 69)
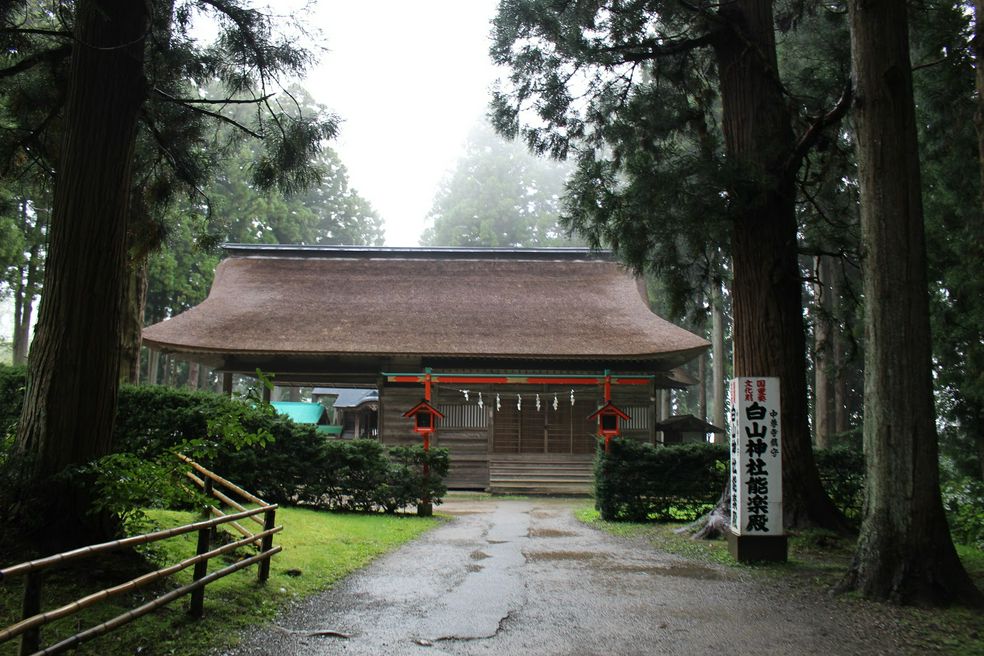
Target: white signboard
point(756, 457)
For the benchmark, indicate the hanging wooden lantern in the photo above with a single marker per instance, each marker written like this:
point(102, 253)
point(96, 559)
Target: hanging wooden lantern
point(610, 418)
point(424, 417)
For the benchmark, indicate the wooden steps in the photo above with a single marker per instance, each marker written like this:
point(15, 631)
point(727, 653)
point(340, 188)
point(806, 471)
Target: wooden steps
point(537, 474)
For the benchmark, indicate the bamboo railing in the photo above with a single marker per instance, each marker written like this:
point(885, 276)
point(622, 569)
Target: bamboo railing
point(29, 627)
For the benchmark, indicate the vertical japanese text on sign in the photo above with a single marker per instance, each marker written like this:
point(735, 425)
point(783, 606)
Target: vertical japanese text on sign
point(756, 457)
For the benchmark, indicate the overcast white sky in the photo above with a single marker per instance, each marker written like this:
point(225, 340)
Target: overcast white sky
point(409, 79)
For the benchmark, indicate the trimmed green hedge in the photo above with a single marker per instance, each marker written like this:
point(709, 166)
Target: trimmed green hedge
point(264, 453)
point(640, 482)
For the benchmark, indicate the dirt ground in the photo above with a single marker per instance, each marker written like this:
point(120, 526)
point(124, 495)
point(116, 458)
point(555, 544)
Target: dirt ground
point(516, 577)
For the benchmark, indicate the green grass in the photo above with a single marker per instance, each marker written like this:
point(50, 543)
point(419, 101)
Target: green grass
point(319, 549)
point(819, 559)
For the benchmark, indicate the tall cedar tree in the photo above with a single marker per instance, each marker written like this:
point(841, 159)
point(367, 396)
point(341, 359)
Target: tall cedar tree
point(84, 321)
point(904, 553)
point(650, 181)
point(192, 90)
point(70, 403)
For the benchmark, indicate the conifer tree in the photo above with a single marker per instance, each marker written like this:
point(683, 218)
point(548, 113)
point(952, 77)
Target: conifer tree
point(686, 147)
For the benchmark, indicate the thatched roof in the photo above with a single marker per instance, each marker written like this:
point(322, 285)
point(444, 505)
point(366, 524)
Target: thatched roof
point(566, 305)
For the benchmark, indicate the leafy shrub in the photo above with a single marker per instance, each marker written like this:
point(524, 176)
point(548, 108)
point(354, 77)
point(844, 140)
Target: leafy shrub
point(842, 473)
point(964, 504)
point(640, 482)
point(12, 382)
point(265, 453)
point(406, 483)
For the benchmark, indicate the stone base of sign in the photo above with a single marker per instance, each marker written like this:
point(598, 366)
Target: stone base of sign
point(425, 510)
point(758, 548)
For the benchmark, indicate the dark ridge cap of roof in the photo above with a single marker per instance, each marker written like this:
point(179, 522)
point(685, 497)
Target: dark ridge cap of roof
point(423, 253)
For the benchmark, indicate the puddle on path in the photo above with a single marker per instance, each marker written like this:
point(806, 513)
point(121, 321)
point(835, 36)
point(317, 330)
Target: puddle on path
point(681, 571)
point(610, 564)
point(578, 556)
point(550, 533)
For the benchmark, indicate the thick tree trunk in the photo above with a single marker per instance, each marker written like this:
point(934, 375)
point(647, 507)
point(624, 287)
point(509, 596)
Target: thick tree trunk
point(702, 387)
point(193, 368)
point(27, 288)
point(769, 337)
point(170, 364)
point(133, 320)
point(665, 404)
point(904, 553)
point(823, 343)
point(153, 366)
point(717, 353)
point(839, 353)
point(978, 45)
point(70, 403)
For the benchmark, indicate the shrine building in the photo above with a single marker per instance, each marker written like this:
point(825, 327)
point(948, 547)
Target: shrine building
point(527, 354)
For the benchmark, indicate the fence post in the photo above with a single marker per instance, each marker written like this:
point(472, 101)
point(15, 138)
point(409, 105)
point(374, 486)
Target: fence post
point(197, 607)
point(31, 639)
point(269, 522)
point(207, 488)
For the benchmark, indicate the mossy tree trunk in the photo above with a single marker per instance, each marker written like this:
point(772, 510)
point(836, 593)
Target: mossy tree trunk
point(904, 552)
point(769, 337)
point(70, 403)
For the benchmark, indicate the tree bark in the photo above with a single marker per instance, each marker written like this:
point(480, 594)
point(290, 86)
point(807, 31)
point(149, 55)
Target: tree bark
point(70, 403)
point(839, 353)
point(978, 46)
point(904, 552)
point(27, 287)
point(717, 353)
point(153, 366)
point(769, 337)
point(133, 320)
point(823, 342)
point(170, 364)
point(702, 386)
point(193, 368)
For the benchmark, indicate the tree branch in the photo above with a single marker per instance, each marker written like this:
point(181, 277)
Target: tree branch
point(205, 112)
point(34, 31)
point(809, 138)
point(640, 52)
point(220, 101)
point(30, 62)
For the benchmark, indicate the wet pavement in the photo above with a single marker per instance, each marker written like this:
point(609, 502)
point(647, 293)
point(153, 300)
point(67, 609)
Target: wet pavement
point(524, 577)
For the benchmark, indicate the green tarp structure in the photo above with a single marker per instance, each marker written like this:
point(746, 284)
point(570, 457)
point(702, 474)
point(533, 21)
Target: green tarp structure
point(307, 413)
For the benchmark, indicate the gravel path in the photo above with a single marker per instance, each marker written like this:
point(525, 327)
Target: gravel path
point(524, 577)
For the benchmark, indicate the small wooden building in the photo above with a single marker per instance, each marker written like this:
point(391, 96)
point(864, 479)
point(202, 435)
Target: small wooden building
point(354, 410)
point(517, 343)
point(686, 429)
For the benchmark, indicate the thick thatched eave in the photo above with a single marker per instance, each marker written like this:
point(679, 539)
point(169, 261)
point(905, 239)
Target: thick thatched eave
point(572, 305)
